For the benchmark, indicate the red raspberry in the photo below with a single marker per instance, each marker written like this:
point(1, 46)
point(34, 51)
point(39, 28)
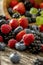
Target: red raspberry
point(13, 3)
point(20, 35)
point(5, 28)
point(23, 22)
point(28, 39)
point(14, 23)
point(1, 39)
point(41, 28)
point(11, 43)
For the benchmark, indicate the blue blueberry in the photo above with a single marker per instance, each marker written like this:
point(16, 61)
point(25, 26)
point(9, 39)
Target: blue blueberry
point(17, 30)
point(15, 58)
point(2, 47)
point(20, 46)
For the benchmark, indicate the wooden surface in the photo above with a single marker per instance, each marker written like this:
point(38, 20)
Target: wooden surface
point(26, 57)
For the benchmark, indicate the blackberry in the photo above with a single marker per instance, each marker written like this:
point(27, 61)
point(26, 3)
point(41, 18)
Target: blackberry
point(38, 62)
point(28, 5)
point(34, 48)
point(29, 20)
point(10, 11)
point(16, 15)
point(8, 37)
point(27, 14)
point(33, 20)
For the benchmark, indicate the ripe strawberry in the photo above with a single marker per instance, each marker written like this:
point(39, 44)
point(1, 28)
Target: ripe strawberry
point(20, 8)
point(23, 22)
point(28, 39)
point(1, 38)
point(11, 43)
point(5, 28)
point(41, 28)
point(41, 5)
point(13, 3)
point(14, 23)
point(20, 35)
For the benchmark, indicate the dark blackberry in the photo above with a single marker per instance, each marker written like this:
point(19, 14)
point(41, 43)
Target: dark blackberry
point(33, 20)
point(27, 14)
point(29, 20)
point(16, 15)
point(8, 36)
point(38, 62)
point(10, 11)
point(28, 5)
point(34, 48)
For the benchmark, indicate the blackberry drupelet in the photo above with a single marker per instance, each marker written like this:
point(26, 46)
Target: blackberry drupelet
point(28, 5)
point(34, 48)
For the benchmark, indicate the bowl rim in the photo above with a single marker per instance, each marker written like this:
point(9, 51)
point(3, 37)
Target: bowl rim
point(5, 9)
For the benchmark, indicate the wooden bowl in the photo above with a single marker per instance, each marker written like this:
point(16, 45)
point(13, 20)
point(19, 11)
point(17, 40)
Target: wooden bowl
point(6, 5)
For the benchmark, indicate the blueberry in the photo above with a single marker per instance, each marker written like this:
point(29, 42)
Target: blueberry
point(27, 14)
point(10, 11)
point(15, 58)
point(2, 47)
point(27, 31)
point(17, 30)
point(20, 46)
point(16, 15)
point(3, 22)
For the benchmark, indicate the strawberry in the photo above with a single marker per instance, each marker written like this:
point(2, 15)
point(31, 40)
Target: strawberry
point(28, 39)
point(23, 22)
point(41, 5)
point(11, 43)
point(41, 28)
point(1, 38)
point(13, 3)
point(20, 35)
point(19, 8)
point(14, 23)
point(5, 28)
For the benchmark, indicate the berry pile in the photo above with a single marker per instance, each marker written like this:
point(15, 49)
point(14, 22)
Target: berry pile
point(27, 8)
point(38, 62)
point(20, 35)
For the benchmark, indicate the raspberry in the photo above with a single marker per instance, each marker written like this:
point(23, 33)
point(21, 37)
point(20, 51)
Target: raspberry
point(23, 22)
point(1, 39)
point(5, 28)
point(11, 43)
point(14, 23)
point(28, 39)
point(20, 35)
